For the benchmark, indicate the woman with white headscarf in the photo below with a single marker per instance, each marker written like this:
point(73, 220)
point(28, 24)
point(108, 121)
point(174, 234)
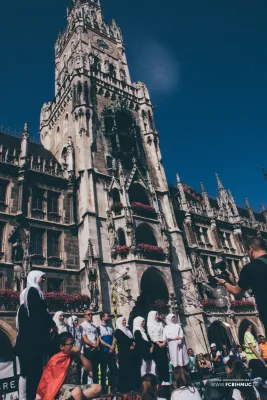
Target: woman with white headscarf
point(129, 377)
point(35, 325)
point(144, 347)
point(155, 330)
point(59, 321)
point(76, 330)
point(174, 334)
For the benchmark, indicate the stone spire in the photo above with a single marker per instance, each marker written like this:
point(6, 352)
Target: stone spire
point(182, 194)
point(250, 211)
point(264, 212)
point(25, 133)
point(232, 200)
point(24, 145)
point(206, 199)
point(220, 185)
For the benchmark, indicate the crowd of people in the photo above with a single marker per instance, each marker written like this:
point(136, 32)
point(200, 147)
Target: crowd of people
point(60, 359)
point(67, 359)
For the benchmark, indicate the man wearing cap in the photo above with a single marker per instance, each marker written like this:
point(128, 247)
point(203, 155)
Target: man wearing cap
point(215, 357)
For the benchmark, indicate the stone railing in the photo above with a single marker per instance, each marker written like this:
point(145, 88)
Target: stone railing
point(120, 253)
point(3, 206)
point(8, 155)
point(144, 210)
point(46, 166)
point(147, 251)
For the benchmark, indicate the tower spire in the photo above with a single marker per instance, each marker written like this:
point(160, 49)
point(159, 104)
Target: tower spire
point(206, 199)
point(220, 185)
point(250, 211)
point(182, 194)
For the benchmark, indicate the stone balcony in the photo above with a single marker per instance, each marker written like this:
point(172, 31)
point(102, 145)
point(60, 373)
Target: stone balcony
point(42, 215)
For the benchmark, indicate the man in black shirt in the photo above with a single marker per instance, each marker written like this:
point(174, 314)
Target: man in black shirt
point(253, 276)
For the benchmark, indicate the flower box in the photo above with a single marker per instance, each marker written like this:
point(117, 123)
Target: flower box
point(151, 252)
point(144, 210)
point(121, 251)
point(242, 305)
point(116, 208)
point(210, 305)
point(9, 301)
point(67, 302)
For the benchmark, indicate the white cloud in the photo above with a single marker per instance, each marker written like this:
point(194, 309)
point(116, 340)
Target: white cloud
point(158, 67)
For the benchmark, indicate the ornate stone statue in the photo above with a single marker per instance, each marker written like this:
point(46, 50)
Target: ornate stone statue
point(46, 111)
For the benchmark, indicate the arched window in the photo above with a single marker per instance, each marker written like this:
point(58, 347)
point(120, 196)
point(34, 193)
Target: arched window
point(64, 155)
point(138, 194)
point(123, 75)
point(145, 235)
point(66, 123)
point(124, 121)
point(121, 237)
point(115, 194)
point(109, 161)
point(109, 123)
point(96, 63)
point(57, 135)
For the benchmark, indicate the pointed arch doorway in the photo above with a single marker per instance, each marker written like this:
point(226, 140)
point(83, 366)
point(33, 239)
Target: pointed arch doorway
point(218, 334)
point(152, 288)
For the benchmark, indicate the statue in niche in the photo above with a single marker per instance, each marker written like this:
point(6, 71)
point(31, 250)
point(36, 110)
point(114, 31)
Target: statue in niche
point(79, 92)
point(145, 120)
point(166, 244)
point(46, 111)
point(111, 230)
point(17, 251)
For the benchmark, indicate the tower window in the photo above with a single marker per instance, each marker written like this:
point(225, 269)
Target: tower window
point(37, 199)
point(96, 63)
point(53, 244)
point(37, 241)
point(123, 75)
point(2, 227)
point(121, 237)
point(52, 202)
point(144, 234)
point(3, 188)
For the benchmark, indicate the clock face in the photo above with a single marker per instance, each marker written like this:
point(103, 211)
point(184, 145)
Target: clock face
point(102, 44)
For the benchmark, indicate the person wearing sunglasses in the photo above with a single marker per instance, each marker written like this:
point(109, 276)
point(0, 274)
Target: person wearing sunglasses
point(60, 378)
point(91, 346)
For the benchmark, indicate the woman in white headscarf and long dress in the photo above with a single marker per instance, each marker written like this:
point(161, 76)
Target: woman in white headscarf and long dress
point(34, 327)
point(76, 330)
point(59, 321)
point(155, 330)
point(144, 347)
point(129, 376)
point(174, 334)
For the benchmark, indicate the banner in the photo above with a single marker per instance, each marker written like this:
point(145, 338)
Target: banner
point(8, 381)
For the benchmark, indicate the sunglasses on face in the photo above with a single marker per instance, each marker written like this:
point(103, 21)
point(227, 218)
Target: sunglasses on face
point(88, 315)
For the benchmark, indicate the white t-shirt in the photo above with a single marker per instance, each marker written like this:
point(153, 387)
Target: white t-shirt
point(90, 330)
point(186, 394)
point(237, 394)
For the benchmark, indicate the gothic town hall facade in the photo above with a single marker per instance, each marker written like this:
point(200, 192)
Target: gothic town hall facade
point(92, 208)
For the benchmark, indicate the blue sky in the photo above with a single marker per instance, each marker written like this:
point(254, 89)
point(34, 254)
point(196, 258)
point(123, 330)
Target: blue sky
point(204, 61)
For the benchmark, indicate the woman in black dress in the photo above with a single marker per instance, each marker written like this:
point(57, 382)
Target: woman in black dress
point(129, 377)
point(34, 327)
point(144, 347)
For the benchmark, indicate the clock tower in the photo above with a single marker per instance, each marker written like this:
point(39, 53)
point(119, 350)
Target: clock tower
point(101, 127)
